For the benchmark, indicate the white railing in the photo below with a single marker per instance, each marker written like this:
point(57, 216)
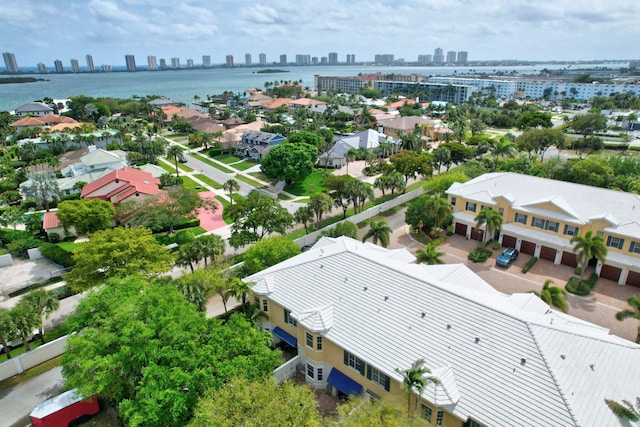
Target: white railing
point(18, 364)
point(286, 370)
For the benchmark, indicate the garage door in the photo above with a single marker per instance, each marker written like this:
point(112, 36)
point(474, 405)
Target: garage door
point(527, 247)
point(633, 279)
point(509, 241)
point(611, 273)
point(547, 253)
point(570, 259)
point(461, 229)
point(476, 234)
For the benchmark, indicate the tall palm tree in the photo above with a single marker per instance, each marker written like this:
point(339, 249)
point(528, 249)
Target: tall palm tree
point(320, 203)
point(588, 247)
point(350, 156)
point(439, 209)
point(625, 410)
point(430, 255)
point(43, 303)
point(208, 247)
point(174, 152)
point(193, 291)
point(378, 232)
point(7, 330)
point(634, 301)
point(25, 319)
point(240, 290)
point(303, 215)
point(492, 221)
point(502, 148)
point(231, 186)
point(553, 296)
point(415, 380)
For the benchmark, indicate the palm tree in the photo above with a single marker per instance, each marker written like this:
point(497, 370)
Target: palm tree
point(502, 148)
point(231, 186)
point(240, 290)
point(430, 255)
point(439, 209)
point(634, 301)
point(175, 152)
point(303, 215)
point(588, 247)
point(415, 380)
point(208, 247)
point(378, 232)
point(320, 203)
point(193, 291)
point(625, 410)
point(554, 296)
point(43, 303)
point(350, 156)
point(7, 330)
point(25, 319)
point(493, 221)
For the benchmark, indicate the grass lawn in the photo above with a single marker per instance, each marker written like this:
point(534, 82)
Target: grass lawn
point(283, 197)
point(208, 181)
point(303, 200)
point(311, 184)
point(225, 205)
point(244, 165)
point(191, 184)
point(261, 176)
point(211, 163)
point(69, 246)
point(184, 167)
point(227, 159)
point(248, 180)
point(169, 168)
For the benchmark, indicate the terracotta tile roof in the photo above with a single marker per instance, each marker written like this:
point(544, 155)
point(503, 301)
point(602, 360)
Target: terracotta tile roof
point(130, 181)
point(170, 111)
point(400, 104)
point(49, 119)
point(407, 123)
point(307, 102)
point(62, 126)
point(278, 102)
point(50, 221)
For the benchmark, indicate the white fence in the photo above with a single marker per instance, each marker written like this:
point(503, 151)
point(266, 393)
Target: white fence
point(311, 238)
point(286, 370)
point(18, 364)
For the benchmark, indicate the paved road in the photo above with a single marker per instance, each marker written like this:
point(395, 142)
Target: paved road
point(18, 402)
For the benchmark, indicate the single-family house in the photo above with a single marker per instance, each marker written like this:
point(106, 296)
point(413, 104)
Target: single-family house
point(404, 125)
point(255, 144)
point(97, 159)
point(34, 109)
point(368, 139)
point(52, 225)
point(121, 185)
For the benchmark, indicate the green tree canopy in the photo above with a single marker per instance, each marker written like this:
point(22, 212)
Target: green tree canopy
point(87, 216)
point(306, 137)
point(267, 252)
point(533, 119)
point(365, 412)
point(41, 186)
point(344, 228)
point(148, 350)
point(378, 232)
point(410, 164)
point(118, 252)
point(289, 162)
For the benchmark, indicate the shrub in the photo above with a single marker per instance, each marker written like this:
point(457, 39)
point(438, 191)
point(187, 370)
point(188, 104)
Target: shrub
point(56, 254)
point(529, 264)
point(581, 287)
point(479, 254)
point(29, 204)
point(19, 247)
point(8, 235)
point(53, 237)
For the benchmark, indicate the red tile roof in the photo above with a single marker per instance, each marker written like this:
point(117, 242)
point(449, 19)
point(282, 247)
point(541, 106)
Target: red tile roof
point(50, 221)
point(131, 181)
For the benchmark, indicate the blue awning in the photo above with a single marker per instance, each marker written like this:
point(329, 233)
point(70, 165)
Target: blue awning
point(284, 336)
point(343, 382)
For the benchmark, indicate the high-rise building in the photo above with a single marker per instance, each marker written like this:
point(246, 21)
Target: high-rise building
point(228, 61)
point(333, 58)
point(90, 65)
point(75, 66)
point(283, 59)
point(306, 59)
point(58, 64)
point(247, 59)
point(189, 63)
point(42, 69)
point(10, 62)
point(438, 56)
point(314, 60)
point(152, 62)
point(424, 59)
point(299, 59)
point(131, 62)
point(384, 58)
point(175, 63)
point(163, 64)
point(206, 61)
point(451, 57)
point(462, 57)
point(351, 58)
point(324, 60)
point(263, 58)
point(105, 68)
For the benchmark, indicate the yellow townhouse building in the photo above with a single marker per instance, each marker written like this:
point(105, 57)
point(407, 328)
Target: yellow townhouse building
point(356, 313)
point(541, 216)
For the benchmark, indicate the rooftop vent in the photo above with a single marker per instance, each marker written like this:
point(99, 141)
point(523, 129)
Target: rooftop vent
point(562, 356)
point(477, 340)
point(365, 288)
point(448, 327)
point(523, 361)
point(423, 314)
point(386, 297)
point(593, 367)
point(321, 265)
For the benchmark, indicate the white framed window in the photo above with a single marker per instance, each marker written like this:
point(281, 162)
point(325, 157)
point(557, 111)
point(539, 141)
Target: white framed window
point(471, 207)
point(570, 230)
point(520, 218)
point(378, 378)
point(439, 418)
point(319, 374)
point(615, 242)
point(453, 201)
point(635, 247)
point(354, 362)
point(310, 371)
point(551, 226)
point(537, 222)
point(319, 343)
point(265, 305)
point(425, 413)
point(288, 319)
point(501, 211)
point(309, 340)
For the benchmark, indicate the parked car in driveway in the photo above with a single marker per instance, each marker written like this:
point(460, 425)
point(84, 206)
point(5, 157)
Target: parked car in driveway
point(507, 257)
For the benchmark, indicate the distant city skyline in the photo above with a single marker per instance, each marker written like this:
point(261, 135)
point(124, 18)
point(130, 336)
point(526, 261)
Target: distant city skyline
point(488, 30)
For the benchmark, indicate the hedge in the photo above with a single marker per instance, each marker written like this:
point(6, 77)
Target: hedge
point(479, 254)
point(8, 235)
point(529, 264)
point(183, 223)
point(56, 254)
point(581, 287)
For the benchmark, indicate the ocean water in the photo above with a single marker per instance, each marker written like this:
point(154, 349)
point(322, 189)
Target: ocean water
point(183, 85)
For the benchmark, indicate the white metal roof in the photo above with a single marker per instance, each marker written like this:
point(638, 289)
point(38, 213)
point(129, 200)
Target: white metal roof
point(503, 360)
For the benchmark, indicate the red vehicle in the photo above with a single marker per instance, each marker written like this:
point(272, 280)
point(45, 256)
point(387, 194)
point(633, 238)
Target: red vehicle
point(64, 409)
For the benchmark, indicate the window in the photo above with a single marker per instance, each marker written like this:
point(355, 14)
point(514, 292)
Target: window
point(319, 343)
point(615, 242)
point(319, 375)
point(310, 371)
point(439, 418)
point(635, 247)
point(470, 206)
point(453, 201)
point(551, 226)
point(501, 211)
point(378, 377)
point(265, 305)
point(522, 219)
point(257, 300)
point(309, 340)
point(537, 222)
point(570, 230)
point(288, 319)
point(600, 233)
point(354, 362)
point(425, 413)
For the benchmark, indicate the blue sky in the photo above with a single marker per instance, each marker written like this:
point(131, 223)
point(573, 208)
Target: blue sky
point(39, 31)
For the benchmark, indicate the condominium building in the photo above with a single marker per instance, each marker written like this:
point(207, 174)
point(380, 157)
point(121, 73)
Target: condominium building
point(581, 91)
point(427, 91)
point(425, 59)
point(58, 65)
point(152, 62)
point(463, 57)
point(500, 88)
point(130, 60)
point(75, 66)
point(229, 61)
point(189, 63)
point(283, 59)
point(206, 61)
point(451, 57)
point(10, 63)
point(356, 315)
point(351, 58)
point(262, 58)
point(42, 69)
point(247, 59)
point(175, 63)
point(384, 58)
point(541, 216)
point(163, 64)
point(90, 65)
point(333, 58)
